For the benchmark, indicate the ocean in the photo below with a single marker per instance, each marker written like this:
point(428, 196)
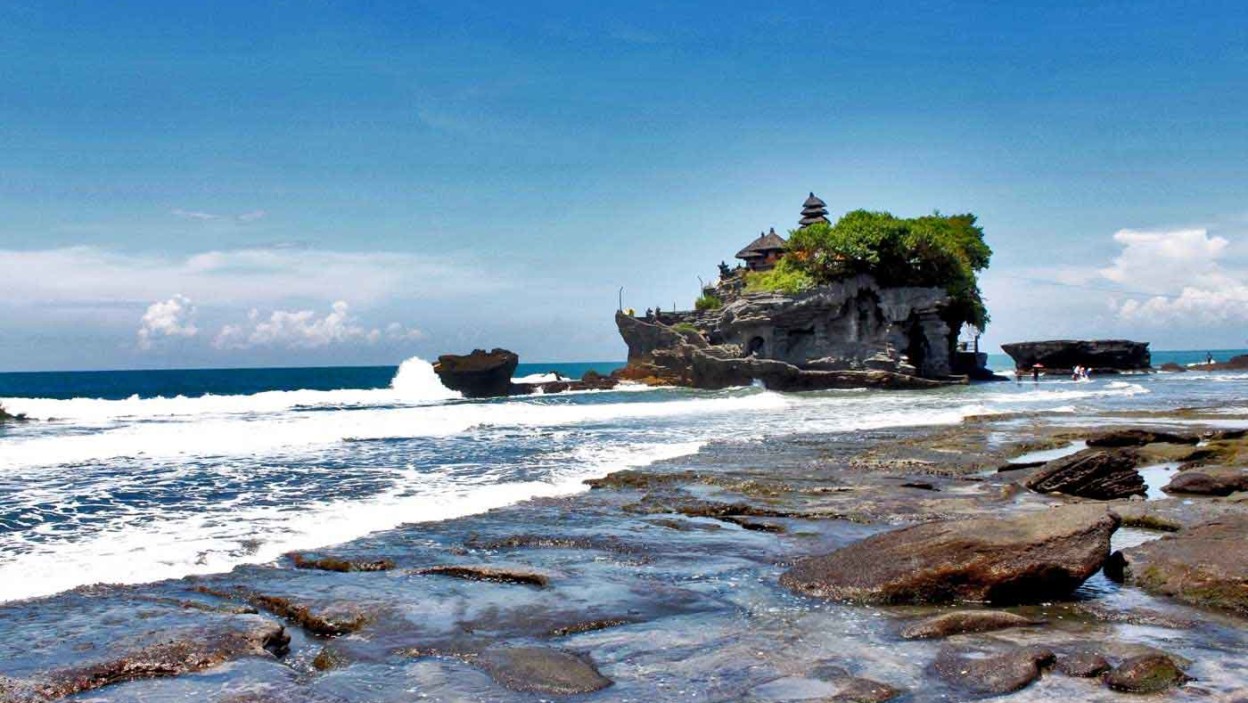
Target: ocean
point(138, 476)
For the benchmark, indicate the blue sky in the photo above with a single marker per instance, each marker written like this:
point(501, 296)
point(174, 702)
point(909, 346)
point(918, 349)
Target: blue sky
point(256, 183)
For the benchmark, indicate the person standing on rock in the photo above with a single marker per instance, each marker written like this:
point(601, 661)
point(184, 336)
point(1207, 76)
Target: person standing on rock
point(1035, 373)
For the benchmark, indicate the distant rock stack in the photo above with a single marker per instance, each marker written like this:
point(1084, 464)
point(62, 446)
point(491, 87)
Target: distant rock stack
point(813, 210)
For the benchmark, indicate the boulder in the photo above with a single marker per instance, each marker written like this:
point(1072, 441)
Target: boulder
point(965, 621)
point(1040, 556)
point(1150, 673)
point(1064, 354)
point(1083, 665)
point(859, 690)
point(991, 675)
point(542, 670)
point(1209, 481)
point(1103, 474)
point(480, 374)
point(1139, 438)
point(1205, 566)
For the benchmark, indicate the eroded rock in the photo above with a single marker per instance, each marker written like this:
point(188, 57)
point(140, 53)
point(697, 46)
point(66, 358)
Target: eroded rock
point(1083, 665)
point(1150, 673)
point(1139, 438)
point(1101, 474)
point(1209, 481)
point(490, 574)
point(542, 670)
point(949, 624)
point(994, 674)
point(1205, 566)
point(1043, 555)
point(339, 565)
point(480, 374)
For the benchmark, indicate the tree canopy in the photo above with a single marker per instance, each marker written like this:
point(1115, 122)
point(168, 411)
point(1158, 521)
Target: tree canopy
point(934, 250)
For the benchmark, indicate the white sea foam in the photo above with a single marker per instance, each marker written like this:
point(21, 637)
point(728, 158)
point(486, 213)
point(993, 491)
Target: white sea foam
point(218, 540)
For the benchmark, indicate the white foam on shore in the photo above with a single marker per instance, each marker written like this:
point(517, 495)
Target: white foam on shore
point(218, 540)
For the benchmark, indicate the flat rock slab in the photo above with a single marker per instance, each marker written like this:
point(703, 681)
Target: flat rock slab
point(1102, 474)
point(994, 674)
point(490, 574)
point(1205, 566)
point(1139, 438)
point(860, 690)
point(542, 670)
point(1040, 556)
point(1151, 673)
point(1209, 481)
point(168, 653)
point(965, 621)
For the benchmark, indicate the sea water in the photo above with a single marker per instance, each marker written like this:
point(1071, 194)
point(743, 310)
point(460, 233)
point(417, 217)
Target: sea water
point(131, 477)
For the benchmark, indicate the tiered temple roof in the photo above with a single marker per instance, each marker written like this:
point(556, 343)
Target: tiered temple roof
point(813, 210)
point(766, 243)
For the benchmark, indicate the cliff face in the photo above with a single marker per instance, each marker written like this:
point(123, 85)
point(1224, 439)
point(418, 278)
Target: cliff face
point(826, 337)
point(1106, 355)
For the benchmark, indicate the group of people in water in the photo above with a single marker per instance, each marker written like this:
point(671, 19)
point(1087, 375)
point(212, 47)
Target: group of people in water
point(1079, 373)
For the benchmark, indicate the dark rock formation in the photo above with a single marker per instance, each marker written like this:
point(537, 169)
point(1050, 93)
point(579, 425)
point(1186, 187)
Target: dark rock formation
point(1139, 438)
point(1043, 555)
point(991, 675)
point(964, 621)
point(340, 565)
point(1150, 673)
point(491, 574)
point(542, 670)
point(1101, 356)
point(1204, 566)
point(480, 374)
point(859, 690)
point(1102, 474)
point(1171, 367)
point(1209, 481)
point(1083, 665)
point(852, 333)
point(1235, 363)
point(169, 654)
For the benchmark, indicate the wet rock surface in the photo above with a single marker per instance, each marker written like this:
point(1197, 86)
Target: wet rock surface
point(1209, 481)
point(1042, 555)
point(1093, 473)
point(1205, 566)
point(1084, 665)
point(664, 583)
point(1150, 673)
point(992, 674)
point(965, 621)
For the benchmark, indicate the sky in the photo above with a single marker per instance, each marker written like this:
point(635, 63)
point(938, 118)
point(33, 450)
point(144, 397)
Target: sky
point(307, 182)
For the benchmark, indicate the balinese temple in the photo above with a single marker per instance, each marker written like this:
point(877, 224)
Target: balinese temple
point(814, 210)
point(763, 253)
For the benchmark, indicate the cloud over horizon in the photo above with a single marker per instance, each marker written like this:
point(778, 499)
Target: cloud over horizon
point(1186, 270)
point(174, 317)
point(303, 329)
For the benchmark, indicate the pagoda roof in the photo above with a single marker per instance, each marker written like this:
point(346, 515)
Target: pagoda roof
point(765, 243)
point(812, 219)
point(813, 202)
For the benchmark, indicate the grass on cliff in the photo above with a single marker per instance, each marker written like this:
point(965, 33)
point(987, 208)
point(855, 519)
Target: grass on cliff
point(931, 251)
point(706, 301)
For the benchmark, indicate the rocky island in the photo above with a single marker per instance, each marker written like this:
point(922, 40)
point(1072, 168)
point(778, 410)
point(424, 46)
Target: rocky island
point(871, 301)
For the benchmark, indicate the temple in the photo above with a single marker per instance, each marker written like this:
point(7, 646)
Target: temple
point(763, 253)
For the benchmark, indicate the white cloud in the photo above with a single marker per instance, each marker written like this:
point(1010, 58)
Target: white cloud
point(303, 329)
point(1186, 270)
point(213, 217)
point(174, 317)
point(259, 277)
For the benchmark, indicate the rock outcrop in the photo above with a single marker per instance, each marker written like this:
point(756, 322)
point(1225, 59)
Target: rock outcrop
point(480, 374)
point(1205, 566)
point(1101, 356)
point(1148, 673)
point(483, 374)
point(992, 675)
point(963, 621)
point(1044, 555)
point(844, 335)
point(1209, 481)
point(1102, 474)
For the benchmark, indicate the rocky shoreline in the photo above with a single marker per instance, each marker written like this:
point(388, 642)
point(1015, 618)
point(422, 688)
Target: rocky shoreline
point(905, 564)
